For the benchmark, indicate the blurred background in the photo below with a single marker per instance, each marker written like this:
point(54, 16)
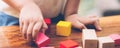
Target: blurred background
point(99, 7)
point(93, 7)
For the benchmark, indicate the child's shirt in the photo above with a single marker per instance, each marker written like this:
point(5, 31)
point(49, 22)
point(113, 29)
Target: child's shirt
point(49, 8)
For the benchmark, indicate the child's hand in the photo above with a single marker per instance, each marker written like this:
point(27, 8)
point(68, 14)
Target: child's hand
point(31, 21)
point(80, 22)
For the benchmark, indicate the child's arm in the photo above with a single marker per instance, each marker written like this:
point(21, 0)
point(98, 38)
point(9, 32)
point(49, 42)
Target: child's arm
point(18, 4)
point(77, 21)
point(31, 19)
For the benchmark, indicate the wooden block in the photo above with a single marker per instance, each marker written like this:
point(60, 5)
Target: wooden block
point(68, 44)
point(78, 47)
point(106, 42)
point(89, 38)
point(116, 38)
point(47, 21)
point(42, 40)
point(47, 47)
point(63, 28)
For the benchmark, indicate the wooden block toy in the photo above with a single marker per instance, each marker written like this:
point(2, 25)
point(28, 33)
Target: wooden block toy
point(78, 47)
point(116, 38)
point(68, 44)
point(47, 47)
point(89, 38)
point(47, 20)
point(63, 28)
point(42, 40)
point(106, 42)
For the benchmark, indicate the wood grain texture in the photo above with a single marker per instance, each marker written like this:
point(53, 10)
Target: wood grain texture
point(10, 36)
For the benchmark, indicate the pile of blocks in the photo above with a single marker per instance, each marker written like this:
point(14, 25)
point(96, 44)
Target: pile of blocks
point(89, 38)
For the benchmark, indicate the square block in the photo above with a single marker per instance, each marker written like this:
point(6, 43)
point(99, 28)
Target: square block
point(89, 38)
point(47, 47)
point(63, 28)
point(116, 38)
point(68, 44)
point(106, 42)
point(78, 47)
point(42, 40)
point(47, 21)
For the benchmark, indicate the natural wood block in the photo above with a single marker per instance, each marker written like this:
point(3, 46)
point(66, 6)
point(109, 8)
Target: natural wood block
point(116, 38)
point(63, 28)
point(89, 38)
point(42, 40)
point(68, 44)
point(106, 42)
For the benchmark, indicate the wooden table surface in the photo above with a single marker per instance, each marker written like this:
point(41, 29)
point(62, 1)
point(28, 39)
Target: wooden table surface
point(10, 36)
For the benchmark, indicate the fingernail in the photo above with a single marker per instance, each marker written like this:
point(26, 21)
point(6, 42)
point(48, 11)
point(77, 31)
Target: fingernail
point(100, 28)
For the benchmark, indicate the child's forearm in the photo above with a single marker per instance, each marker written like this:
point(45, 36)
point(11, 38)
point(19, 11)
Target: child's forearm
point(71, 7)
point(18, 4)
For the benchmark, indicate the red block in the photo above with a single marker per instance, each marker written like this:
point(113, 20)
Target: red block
point(47, 47)
point(42, 40)
point(68, 44)
point(116, 38)
point(47, 20)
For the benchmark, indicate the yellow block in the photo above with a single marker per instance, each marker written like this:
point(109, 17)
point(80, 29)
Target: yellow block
point(63, 28)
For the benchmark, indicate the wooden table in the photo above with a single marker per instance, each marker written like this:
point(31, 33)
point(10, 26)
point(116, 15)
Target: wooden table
point(10, 36)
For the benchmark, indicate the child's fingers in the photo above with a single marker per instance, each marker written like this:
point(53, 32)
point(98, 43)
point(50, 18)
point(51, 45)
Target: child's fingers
point(82, 26)
point(21, 25)
point(36, 29)
point(96, 24)
point(44, 27)
point(29, 31)
point(79, 25)
point(24, 29)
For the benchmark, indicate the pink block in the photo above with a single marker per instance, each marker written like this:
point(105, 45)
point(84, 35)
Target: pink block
point(116, 38)
point(68, 44)
point(47, 47)
point(47, 20)
point(42, 40)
